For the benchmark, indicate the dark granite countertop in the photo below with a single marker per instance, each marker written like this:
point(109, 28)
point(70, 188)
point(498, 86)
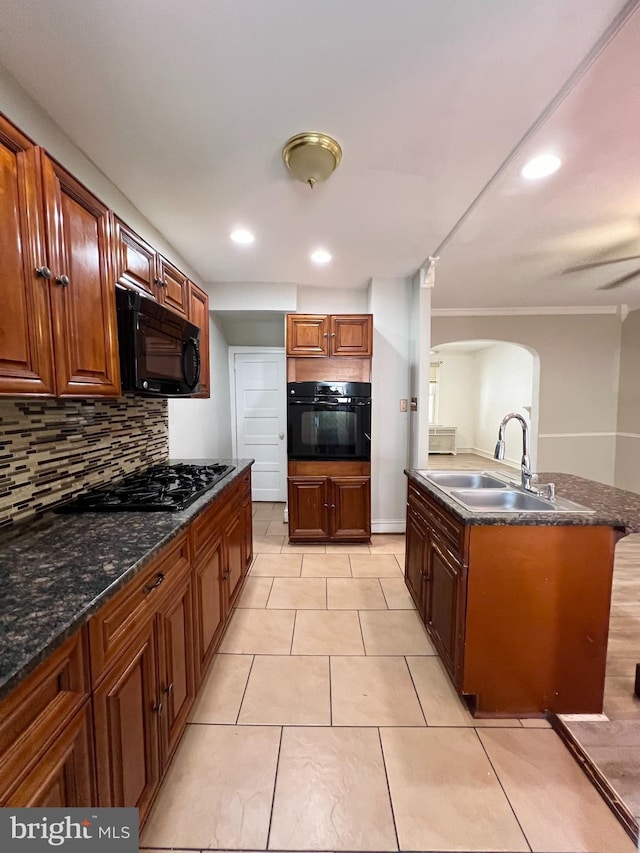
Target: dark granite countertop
point(55, 573)
point(612, 507)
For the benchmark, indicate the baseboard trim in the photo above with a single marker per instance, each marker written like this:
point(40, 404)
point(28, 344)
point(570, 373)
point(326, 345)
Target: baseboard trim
point(389, 525)
point(596, 777)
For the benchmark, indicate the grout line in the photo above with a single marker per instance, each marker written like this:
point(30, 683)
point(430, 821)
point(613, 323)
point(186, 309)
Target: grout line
point(383, 595)
point(246, 684)
point(524, 834)
point(415, 690)
point(293, 633)
point(361, 632)
point(330, 695)
point(386, 776)
point(275, 783)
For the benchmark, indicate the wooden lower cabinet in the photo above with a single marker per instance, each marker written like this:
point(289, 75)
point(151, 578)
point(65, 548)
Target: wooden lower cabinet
point(208, 604)
point(328, 508)
point(97, 723)
point(519, 614)
point(441, 604)
point(127, 722)
point(176, 665)
point(65, 774)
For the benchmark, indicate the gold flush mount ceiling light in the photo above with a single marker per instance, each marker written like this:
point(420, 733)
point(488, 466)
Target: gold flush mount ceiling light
point(311, 157)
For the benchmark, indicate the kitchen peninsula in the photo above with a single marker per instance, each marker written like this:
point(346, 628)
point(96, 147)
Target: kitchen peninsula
point(109, 622)
point(517, 604)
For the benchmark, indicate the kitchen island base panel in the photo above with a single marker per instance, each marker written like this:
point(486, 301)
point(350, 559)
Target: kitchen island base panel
point(537, 619)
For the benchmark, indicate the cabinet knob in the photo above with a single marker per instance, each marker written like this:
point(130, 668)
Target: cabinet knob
point(63, 280)
point(333, 334)
point(157, 708)
point(325, 334)
point(327, 506)
point(169, 690)
point(43, 272)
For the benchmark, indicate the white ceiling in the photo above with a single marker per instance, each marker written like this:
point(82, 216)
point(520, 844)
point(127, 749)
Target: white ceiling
point(185, 106)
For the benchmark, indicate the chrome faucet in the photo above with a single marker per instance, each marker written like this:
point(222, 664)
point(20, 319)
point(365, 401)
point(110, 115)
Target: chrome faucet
point(525, 463)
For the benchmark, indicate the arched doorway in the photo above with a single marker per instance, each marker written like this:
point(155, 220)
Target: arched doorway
point(474, 384)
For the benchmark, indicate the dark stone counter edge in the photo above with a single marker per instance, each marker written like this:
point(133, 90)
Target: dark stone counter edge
point(8, 684)
point(599, 518)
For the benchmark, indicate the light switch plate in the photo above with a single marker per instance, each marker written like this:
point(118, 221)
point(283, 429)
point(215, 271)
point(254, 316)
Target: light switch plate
point(403, 405)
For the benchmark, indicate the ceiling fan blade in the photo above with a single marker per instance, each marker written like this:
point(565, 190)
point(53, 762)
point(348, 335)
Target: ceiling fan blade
point(618, 281)
point(600, 263)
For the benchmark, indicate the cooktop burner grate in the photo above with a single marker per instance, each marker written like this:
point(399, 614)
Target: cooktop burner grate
point(159, 488)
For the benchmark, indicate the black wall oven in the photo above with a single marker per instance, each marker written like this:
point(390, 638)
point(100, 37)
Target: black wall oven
point(329, 420)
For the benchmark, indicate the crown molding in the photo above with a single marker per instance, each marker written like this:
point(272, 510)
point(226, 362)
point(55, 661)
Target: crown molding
point(525, 312)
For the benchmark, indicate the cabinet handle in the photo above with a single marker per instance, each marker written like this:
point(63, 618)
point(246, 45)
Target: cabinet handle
point(151, 586)
point(43, 272)
point(333, 334)
point(157, 707)
point(325, 334)
point(327, 506)
point(333, 506)
point(63, 280)
point(169, 690)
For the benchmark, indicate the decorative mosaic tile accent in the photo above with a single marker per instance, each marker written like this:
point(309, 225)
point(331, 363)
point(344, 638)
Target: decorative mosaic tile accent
point(51, 450)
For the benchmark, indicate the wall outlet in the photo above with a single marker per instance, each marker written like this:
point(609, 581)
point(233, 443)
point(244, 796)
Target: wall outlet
point(403, 405)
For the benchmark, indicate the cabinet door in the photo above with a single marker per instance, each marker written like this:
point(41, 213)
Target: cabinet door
point(174, 287)
point(416, 556)
point(441, 607)
point(351, 334)
point(307, 334)
point(199, 316)
point(176, 658)
point(308, 508)
point(350, 516)
point(135, 260)
point(126, 709)
point(247, 523)
point(26, 344)
point(209, 614)
point(234, 552)
point(64, 774)
point(82, 290)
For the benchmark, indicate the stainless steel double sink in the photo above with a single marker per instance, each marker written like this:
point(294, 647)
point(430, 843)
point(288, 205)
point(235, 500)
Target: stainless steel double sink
point(485, 491)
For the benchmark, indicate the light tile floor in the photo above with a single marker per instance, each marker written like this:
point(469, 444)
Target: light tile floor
point(327, 723)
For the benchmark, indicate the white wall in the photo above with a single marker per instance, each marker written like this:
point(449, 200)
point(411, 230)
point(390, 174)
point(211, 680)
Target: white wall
point(419, 359)
point(329, 300)
point(504, 377)
point(389, 300)
point(628, 441)
point(458, 396)
point(202, 428)
point(579, 364)
point(252, 296)
point(18, 106)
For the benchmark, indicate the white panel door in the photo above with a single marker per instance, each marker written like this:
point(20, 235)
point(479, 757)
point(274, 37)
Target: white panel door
point(261, 421)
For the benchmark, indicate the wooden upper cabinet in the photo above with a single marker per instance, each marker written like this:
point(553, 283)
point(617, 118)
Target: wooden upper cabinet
point(198, 314)
point(330, 334)
point(307, 334)
point(351, 334)
point(173, 286)
point(81, 288)
point(26, 348)
point(135, 260)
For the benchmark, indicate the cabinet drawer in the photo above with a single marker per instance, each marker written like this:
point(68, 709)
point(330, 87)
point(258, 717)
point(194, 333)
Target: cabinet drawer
point(451, 531)
point(209, 524)
point(33, 715)
point(115, 625)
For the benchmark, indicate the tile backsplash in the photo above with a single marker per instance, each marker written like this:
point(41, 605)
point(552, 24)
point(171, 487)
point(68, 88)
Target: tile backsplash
point(52, 449)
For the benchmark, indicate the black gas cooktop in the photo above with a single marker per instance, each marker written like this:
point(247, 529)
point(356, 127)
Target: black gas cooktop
point(159, 488)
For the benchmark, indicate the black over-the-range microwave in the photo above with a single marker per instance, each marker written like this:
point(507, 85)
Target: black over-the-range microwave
point(159, 349)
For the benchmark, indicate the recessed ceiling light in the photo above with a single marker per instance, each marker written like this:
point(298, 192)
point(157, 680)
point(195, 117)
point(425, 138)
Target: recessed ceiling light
point(320, 256)
point(541, 166)
point(241, 235)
